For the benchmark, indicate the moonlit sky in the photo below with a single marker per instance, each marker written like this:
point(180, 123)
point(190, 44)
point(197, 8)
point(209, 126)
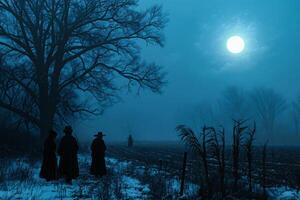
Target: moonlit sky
point(199, 65)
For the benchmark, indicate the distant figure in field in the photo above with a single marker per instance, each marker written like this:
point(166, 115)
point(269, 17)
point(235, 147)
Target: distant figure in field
point(49, 164)
point(130, 141)
point(67, 150)
point(98, 167)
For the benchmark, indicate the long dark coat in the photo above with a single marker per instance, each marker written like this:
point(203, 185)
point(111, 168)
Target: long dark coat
point(98, 167)
point(49, 164)
point(68, 163)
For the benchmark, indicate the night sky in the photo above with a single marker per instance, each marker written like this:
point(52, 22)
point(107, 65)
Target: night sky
point(199, 67)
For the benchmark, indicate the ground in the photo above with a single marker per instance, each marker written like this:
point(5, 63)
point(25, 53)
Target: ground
point(125, 181)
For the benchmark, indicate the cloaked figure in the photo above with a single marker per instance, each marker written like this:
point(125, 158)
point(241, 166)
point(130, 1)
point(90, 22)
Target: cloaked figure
point(67, 150)
point(98, 167)
point(49, 164)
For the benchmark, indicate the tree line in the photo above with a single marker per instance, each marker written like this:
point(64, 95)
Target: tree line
point(272, 111)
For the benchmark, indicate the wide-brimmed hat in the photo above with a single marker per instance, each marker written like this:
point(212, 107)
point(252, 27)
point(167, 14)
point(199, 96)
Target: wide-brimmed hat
point(68, 129)
point(99, 134)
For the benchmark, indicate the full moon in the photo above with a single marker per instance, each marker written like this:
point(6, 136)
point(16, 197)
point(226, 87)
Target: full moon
point(235, 44)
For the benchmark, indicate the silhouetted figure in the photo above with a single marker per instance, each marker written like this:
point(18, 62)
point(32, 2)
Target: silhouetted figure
point(67, 150)
point(49, 164)
point(130, 141)
point(98, 167)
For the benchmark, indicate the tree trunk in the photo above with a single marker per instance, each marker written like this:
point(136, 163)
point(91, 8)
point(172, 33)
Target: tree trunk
point(47, 110)
point(46, 125)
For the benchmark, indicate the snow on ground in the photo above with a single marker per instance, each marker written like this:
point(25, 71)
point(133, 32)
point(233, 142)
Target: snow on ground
point(124, 181)
point(190, 189)
point(85, 187)
point(283, 193)
point(134, 189)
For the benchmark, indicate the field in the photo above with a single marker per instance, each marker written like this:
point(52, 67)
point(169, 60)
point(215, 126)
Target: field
point(145, 171)
point(283, 163)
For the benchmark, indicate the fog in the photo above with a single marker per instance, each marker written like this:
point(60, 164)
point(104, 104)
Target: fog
point(199, 67)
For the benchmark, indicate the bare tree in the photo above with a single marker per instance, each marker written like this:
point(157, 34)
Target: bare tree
point(55, 50)
point(234, 102)
point(268, 105)
point(295, 112)
point(205, 113)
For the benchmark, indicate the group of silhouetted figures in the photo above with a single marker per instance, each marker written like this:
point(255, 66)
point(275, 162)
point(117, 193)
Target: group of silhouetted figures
point(67, 150)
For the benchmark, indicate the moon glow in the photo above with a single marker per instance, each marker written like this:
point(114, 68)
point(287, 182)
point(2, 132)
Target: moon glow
point(235, 44)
